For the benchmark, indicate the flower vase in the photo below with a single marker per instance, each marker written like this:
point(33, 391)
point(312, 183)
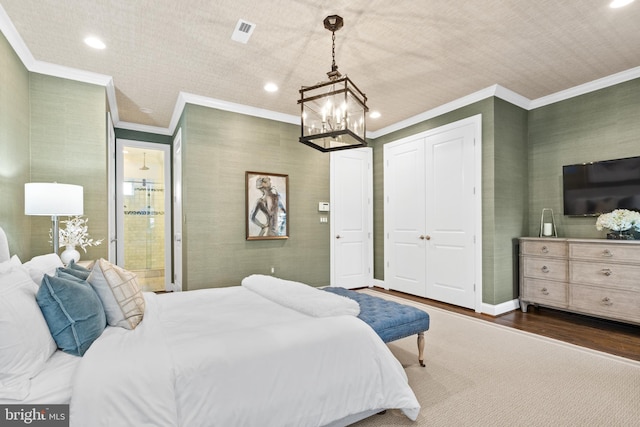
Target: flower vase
point(70, 253)
point(621, 235)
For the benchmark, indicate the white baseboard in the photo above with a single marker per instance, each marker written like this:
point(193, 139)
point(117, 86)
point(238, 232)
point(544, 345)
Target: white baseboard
point(490, 309)
point(380, 284)
point(505, 307)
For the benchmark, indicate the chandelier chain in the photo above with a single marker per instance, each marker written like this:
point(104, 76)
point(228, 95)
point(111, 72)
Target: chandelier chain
point(333, 50)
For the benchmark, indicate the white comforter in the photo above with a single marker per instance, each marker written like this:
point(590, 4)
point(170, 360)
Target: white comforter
point(230, 357)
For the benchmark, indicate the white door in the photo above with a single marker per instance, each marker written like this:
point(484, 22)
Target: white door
point(450, 222)
point(177, 211)
point(404, 213)
point(351, 218)
point(432, 214)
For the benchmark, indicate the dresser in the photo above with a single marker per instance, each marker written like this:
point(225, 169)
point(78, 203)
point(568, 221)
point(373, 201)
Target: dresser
point(597, 277)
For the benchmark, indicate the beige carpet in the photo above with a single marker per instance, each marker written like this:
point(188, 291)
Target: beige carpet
point(482, 374)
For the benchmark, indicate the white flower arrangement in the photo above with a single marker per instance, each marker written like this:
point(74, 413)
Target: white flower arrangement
point(75, 233)
point(619, 220)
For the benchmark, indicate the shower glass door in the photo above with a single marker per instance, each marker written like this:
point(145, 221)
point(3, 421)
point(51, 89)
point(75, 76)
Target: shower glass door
point(144, 213)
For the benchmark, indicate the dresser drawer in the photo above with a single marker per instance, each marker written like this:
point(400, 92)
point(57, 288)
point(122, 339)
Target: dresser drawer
point(611, 303)
point(545, 268)
point(605, 252)
point(545, 292)
point(623, 276)
point(544, 248)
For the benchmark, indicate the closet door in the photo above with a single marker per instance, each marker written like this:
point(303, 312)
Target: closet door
point(450, 216)
point(432, 214)
point(405, 240)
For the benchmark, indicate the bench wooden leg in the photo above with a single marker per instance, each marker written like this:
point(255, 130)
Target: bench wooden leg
point(421, 348)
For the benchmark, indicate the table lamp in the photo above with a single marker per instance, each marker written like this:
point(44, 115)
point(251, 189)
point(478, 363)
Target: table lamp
point(53, 199)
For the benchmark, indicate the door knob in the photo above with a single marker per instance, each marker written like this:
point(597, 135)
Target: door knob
point(337, 236)
point(423, 237)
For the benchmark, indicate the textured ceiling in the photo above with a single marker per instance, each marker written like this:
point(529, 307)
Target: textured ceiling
point(407, 56)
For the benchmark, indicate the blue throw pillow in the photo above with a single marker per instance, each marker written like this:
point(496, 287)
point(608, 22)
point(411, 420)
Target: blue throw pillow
point(73, 312)
point(71, 272)
point(74, 271)
point(72, 264)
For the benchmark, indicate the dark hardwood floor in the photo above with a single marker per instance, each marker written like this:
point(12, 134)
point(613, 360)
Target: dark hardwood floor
point(603, 335)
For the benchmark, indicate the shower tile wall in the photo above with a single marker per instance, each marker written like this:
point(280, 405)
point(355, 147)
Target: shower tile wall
point(144, 233)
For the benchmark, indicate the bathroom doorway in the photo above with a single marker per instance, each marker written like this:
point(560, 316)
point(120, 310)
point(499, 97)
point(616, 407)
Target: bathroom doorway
point(143, 211)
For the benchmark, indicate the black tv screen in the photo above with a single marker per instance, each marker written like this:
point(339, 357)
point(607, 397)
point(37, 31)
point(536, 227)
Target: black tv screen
point(600, 187)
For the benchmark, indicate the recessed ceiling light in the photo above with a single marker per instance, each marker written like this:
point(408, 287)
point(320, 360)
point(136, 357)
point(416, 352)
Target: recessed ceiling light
point(94, 42)
point(619, 3)
point(374, 114)
point(271, 87)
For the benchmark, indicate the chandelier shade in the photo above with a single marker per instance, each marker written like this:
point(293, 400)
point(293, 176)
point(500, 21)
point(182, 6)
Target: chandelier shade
point(333, 112)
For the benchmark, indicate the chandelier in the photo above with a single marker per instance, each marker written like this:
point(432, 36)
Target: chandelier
point(333, 112)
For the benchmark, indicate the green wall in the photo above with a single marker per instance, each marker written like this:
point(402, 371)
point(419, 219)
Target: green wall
point(51, 129)
point(14, 149)
point(218, 148)
point(510, 208)
point(600, 125)
point(69, 145)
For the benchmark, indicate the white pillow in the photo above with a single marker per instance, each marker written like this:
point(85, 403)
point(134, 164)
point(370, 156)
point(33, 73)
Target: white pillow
point(9, 264)
point(38, 266)
point(26, 343)
point(119, 292)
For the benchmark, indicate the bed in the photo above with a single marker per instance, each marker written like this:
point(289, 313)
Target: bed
point(268, 353)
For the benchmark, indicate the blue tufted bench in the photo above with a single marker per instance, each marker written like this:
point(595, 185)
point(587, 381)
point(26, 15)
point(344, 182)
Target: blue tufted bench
point(389, 319)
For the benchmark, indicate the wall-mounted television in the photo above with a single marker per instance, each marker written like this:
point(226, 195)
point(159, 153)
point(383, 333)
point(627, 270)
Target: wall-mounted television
point(591, 189)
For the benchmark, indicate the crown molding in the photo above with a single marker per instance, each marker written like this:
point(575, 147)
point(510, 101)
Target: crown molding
point(143, 128)
point(612, 80)
point(69, 73)
point(491, 91)
point(46, 68)
point(14, 39)
point(33, 65)
point(190, 98)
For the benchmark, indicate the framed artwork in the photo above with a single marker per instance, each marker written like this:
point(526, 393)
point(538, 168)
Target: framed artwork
point(267, 208)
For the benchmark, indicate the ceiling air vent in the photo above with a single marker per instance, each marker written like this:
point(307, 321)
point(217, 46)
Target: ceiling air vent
point(243, 31)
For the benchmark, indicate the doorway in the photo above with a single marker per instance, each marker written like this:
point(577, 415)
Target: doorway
point(143, 212)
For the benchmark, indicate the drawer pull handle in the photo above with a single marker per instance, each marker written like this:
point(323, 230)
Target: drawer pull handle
point(607, 272)
point(607, 253)
point(544, 291)
point(607, 301)
point(545, 250)
point(545, 269)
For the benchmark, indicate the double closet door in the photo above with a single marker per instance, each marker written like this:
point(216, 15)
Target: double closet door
point(431, 212)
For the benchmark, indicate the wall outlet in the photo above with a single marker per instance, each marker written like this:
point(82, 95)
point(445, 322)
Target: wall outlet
point(273, 270)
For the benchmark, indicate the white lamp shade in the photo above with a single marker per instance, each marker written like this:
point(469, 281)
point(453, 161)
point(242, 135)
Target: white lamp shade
point(48, 199)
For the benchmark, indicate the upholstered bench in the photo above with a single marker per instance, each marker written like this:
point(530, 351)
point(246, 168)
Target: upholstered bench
point(389, 319)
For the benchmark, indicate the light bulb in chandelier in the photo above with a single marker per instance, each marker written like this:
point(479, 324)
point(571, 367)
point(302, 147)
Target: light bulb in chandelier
point(333, 112)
